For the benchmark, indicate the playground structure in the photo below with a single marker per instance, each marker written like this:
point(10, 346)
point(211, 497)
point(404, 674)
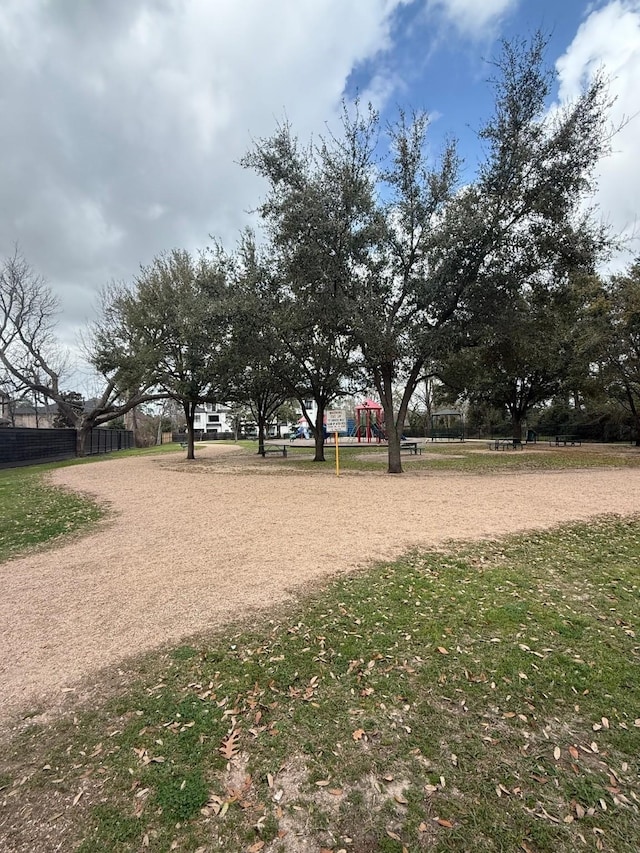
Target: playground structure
point(369, 424)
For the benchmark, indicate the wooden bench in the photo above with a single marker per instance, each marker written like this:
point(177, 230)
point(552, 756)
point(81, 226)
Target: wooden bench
point(571, 440)
point(411, 446)
point(184, 445)
point(273, 448)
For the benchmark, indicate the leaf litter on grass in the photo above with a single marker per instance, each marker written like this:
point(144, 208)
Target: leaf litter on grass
point(483, 694)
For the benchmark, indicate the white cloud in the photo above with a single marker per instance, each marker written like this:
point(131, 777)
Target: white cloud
point(609, 39)
point(472, 18)
point(123, 123)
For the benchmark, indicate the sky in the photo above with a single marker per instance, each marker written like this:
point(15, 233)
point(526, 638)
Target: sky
point(123, 121)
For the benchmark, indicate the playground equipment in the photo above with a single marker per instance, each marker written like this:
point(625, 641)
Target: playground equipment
point(370, 422)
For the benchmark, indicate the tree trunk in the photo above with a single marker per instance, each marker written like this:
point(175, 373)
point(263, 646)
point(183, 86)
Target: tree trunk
point(82, 434)
point(384, 385)
point(394, 424)
point(160, 419)
point(517, 428)
point(134, 425)
point(190, 416)
point(262, 422)
point(318, 435)
point(394, 434)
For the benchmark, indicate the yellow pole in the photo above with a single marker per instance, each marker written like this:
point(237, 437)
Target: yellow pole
point(335, 438)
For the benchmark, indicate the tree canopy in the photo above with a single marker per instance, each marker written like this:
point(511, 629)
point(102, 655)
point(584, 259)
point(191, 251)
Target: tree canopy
point(374, 268)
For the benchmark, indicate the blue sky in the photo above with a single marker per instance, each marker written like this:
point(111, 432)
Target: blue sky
point(124, 122)
point(444, 68)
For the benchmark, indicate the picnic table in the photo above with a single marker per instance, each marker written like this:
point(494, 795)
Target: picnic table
point(411, 446)
point(505, 444)
point(571, 440)
point(273, 448)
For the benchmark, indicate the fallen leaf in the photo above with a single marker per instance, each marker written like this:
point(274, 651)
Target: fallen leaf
point(574, 752)
point(443, 822)
point(335, 792)
point(556, 753)
point(229, 745)
point(323, 783)
point(442, 650)
point(256, 847)
point(358, 734)
point(400, 799)
point(77, 797)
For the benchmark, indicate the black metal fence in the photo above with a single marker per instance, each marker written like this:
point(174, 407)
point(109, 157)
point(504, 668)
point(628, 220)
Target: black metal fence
point(23, 446)
point(108, 440)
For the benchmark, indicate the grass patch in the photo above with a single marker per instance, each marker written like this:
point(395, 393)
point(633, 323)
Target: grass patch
point(470, 457)
point(485, 696)
point(33, 512)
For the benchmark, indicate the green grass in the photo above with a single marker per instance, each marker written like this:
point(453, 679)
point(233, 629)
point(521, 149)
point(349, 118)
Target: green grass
point(481, 697)
point(470, 458)
point(33, 512)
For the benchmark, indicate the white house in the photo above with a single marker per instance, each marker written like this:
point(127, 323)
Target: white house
point(213, 418)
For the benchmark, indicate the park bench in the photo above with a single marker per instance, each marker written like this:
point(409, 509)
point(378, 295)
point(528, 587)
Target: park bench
point(183, 445)
point(273, 448)
point(411, 446)
point(565, 440)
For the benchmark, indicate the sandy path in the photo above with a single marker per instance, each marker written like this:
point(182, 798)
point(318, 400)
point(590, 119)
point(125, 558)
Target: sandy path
point(192, 546)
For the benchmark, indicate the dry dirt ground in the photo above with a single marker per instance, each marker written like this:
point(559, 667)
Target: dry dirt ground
point(188, 546)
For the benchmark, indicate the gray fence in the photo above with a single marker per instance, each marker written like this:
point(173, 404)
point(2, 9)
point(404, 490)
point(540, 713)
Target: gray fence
point(22, 446)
